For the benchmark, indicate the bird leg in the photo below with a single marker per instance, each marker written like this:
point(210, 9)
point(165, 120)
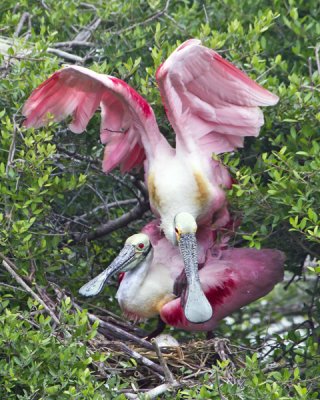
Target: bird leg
point(210, 335)
point(159, 329)
point(180, 285)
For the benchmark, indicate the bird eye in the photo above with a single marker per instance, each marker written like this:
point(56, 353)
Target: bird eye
point(141, 245)
point(177, 230)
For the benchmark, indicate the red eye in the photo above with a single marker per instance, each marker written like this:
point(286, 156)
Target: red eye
point(141, 245)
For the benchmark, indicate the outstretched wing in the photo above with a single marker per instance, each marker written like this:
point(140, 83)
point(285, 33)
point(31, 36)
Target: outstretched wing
point(78, 91)
point(210, 103)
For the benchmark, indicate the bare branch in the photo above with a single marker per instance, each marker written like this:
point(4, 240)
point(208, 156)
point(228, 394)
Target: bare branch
point(87, 5)
point(111, 226)
point(9, 266)
point(104, 207)
point(24, 18)
point(12, 148)
point(146, 21)
point(12, 287)
point(44, 5)
point(155, 392)
point(316, 50)
point(140, 358)
point(76, 156)
point(65, 55)
point(167, 373)
point(6, 43)
point(117, 332)
point(73, 43)
point(87, 31)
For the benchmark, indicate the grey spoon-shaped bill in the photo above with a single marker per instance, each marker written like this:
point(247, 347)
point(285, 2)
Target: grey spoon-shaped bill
point(197, 308)
point(125, 257)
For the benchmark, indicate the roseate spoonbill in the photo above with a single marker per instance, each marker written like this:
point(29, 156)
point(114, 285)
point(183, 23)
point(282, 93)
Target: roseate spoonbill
point(230, 280)
point(211, 106)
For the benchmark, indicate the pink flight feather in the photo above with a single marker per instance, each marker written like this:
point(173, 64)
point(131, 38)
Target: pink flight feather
point(79, 92)
point(209, 102)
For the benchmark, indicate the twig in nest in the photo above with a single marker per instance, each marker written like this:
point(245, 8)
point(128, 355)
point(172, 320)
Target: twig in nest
point(142, 359)
point(155, 392)
point(167, 373)
point(158, 390)
point(222, 349)
point(9, 266)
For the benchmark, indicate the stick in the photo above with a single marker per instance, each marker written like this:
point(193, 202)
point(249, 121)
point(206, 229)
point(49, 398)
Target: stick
point(65, 55)
point(167, 373)
point(102, 230)
point(86, 32)
point(316, 51)
point(25, 16)
point(104, 207)
point(113, 330)
point(9, 267)
point(153, 393)
point(158, 14)
point(120, 333)
point(143, 360)
point(158, 390)
point(73, 43)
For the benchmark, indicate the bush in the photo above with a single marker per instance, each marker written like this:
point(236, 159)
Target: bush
point(53, 193)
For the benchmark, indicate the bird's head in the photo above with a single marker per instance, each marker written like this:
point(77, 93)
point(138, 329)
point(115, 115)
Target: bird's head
point(134, 251)
point(184, 224)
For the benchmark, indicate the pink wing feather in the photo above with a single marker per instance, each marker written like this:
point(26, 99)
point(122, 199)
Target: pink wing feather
point(78, 91)
point(237, 278)
point(208, 100)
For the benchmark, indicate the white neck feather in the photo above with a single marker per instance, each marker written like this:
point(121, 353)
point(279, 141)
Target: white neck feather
point(133, 279)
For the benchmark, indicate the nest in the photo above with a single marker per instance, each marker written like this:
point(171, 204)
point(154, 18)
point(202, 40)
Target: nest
point(152, 369)
point(148, 367)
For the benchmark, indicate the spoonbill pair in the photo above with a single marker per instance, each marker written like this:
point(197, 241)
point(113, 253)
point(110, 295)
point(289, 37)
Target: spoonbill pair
point(152, 285)
point(211, 106)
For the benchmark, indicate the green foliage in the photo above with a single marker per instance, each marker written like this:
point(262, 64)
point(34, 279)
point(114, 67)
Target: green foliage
point(39, 362)
point(44, 187)
point(260, 383)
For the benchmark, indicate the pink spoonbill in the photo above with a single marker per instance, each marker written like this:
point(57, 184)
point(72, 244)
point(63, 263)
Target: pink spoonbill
point(152, 265)
point(211, 106)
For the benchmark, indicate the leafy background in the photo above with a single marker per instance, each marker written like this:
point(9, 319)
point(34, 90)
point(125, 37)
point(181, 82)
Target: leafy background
point(53, 195)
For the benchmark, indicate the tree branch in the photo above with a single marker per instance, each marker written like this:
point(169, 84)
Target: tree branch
point(149, 19)
point(65, 55)
point(167, 373)
point(117, 332)
point(9, 266)
point(111, 226)
point(73, 43)
point(25, 17)
point(104, 207)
